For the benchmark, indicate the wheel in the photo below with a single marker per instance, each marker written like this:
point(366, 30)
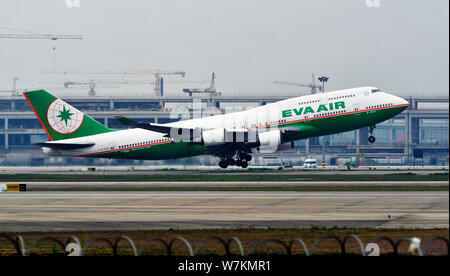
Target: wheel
point(231, 162)
point(223, 164)
point(371, 139)
point(238, 163)
point(244, 164)
point(248, 157)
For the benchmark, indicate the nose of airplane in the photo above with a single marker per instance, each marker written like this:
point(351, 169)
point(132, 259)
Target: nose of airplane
point(401, 102)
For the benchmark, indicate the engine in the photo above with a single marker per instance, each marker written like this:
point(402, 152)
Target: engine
point(272, 141)
point(213, 137)
point(220, 136)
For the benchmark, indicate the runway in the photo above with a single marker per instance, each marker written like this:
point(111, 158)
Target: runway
point(70, 211)
point(223, 184)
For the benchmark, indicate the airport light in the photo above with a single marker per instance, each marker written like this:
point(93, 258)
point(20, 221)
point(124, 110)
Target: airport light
point(323, 80)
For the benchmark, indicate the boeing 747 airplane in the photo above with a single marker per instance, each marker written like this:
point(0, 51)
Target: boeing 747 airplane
point(232, 137)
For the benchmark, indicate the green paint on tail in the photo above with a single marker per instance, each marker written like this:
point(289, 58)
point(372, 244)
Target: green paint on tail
point(66, 121)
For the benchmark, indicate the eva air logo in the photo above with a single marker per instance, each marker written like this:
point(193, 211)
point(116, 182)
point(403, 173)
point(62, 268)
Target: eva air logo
point(64, 118)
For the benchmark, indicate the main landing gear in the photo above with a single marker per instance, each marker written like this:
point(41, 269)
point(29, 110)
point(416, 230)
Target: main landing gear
point(241, 161)
point(371, 137)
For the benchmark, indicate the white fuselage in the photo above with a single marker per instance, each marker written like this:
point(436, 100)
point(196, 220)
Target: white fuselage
point(357, 99)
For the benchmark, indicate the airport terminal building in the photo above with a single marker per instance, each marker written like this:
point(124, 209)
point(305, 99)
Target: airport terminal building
point(417, 136)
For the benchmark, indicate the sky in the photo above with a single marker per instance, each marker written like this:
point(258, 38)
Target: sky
point(402, 46)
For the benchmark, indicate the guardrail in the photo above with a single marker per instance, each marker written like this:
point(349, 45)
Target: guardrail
point(73, 246)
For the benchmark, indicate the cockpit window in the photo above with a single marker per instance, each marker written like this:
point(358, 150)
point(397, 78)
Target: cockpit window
point(376, 90)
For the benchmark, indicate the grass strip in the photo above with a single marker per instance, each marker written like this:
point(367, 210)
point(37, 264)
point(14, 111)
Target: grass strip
point(215, 177)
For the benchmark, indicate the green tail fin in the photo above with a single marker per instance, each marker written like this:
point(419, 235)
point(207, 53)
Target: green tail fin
point(61, 120)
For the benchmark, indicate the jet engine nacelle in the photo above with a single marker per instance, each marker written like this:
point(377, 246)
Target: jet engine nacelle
point(213, 137)
point(219, 136)
point(272, 141)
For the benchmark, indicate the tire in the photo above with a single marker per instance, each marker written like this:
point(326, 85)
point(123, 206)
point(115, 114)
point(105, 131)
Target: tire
point(248, 158)
point(244, 165)
point(231, 162)
point(238, 163)
point(223, 164)
point(371, 139)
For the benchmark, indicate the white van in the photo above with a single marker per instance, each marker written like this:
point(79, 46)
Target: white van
point(310, 163)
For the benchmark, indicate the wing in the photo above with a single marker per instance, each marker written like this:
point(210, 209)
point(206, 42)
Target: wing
point(209, 137)
point(167, 130)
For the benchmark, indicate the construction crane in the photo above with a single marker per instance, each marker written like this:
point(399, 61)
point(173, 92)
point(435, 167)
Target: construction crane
point(41, 36)
point(13, 91)
point(312, 85)
point(158, 82)
point(211, 90)
point(94, 82)
point(34, 35)
point(16, 91)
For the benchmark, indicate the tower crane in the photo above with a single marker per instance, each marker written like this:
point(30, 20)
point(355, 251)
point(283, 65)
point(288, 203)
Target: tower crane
point(157, 73)
point(211, 90)
point(94, 82)
point(34, 35)
point(41, 36)
point(312, 85)
point(13, 91)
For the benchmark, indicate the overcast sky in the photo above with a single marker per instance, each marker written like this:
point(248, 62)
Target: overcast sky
point(402, 46)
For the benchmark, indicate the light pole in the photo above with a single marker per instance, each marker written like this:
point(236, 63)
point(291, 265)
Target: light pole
point(323, 80)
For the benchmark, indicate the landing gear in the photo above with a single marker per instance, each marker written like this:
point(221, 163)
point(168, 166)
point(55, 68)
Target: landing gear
point(371, 137)
point(245, 156)
point(241, 161)
point(223, 164)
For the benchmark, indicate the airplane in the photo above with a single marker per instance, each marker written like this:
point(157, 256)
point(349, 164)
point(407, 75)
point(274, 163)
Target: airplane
point(233, 137)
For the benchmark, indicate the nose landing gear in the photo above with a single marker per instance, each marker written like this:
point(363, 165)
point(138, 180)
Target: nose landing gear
point(371, 137)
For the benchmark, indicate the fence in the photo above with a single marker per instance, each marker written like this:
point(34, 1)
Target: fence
point(73, 246)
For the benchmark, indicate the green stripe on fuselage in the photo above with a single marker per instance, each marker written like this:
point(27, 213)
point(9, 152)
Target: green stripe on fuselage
point(312, 128)
point(170, 150)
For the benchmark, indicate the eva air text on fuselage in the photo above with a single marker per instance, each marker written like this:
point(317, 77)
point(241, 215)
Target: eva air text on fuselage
point(309, 109)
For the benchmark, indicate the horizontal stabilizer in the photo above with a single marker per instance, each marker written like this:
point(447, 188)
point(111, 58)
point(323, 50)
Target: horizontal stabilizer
point(64, 146)
point(125, 121)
